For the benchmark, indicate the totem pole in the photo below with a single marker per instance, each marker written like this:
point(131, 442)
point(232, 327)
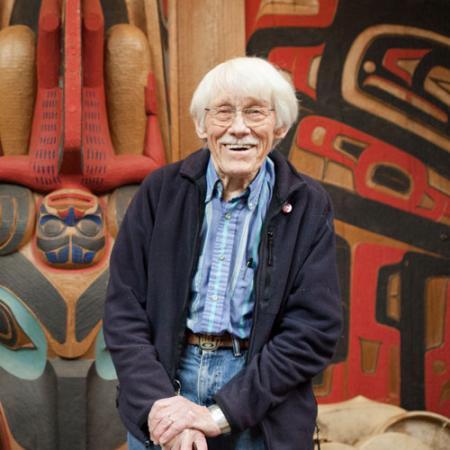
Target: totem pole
point(78, 132)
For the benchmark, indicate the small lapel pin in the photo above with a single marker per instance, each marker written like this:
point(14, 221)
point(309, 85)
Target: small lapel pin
point(287, 208)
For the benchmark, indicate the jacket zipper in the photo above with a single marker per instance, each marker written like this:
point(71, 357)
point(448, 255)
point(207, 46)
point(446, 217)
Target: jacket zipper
point(270, 248)
point(262, 268)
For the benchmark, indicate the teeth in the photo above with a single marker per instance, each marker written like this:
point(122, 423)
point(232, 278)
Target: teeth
point(239, 147)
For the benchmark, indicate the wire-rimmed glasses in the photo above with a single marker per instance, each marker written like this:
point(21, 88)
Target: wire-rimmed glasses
point(252, 116)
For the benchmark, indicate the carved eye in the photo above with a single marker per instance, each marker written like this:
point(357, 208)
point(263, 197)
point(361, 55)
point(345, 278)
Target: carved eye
point(11, 333)
point(89, 227)
point(52, 227)
point(392, 178)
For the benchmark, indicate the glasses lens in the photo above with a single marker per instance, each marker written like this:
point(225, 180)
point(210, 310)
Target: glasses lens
point(254, 116)
point(251, 116)
point(223, 115)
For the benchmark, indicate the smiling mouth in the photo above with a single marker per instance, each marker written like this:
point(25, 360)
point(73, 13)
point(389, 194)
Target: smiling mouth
point(239, 147)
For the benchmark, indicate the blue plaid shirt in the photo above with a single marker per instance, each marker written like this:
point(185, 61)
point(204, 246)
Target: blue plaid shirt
point(222, 287)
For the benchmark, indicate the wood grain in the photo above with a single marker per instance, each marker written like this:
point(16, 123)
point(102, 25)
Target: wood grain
point(6, 7)
point(157, 52)
point(17, 88)
point(202, 34)
point(127, 67)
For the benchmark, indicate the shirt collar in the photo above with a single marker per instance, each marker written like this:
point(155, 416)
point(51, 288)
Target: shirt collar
point(251, 195)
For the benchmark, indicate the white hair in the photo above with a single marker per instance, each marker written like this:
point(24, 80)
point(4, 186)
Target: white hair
point(247, 77)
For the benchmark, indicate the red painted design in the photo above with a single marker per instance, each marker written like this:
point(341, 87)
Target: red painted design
point(394, 55)
point(298, 61)
point(323, 18)
point(87, 158)
point(63, 202)
point(348, 378)
point(406, 95)
point(40, 168)
point(368, 259)
point(375, 153)
point(72, 89)
point(102, 169)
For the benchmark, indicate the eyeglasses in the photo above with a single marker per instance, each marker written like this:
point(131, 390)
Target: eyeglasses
point(252, 116)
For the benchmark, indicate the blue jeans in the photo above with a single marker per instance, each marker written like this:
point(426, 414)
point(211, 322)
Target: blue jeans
point(201, 374)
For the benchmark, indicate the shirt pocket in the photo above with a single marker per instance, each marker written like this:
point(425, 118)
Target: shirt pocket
point(244, 284)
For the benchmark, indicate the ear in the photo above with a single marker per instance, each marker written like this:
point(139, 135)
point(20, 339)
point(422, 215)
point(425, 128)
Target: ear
point(201, 133)
point(280, 133)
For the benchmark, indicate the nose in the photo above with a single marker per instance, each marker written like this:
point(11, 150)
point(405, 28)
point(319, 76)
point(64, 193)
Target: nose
point(238, 127)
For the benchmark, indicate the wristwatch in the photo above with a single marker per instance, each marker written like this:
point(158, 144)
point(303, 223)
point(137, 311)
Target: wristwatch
point(219, 418)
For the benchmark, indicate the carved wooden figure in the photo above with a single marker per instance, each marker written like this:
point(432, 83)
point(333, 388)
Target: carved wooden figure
point(74, 145)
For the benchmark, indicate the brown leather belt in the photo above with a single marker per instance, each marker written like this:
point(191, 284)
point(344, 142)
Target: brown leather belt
point(213, 342)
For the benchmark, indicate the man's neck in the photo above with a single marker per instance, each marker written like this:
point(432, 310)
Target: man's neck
point(233, 187)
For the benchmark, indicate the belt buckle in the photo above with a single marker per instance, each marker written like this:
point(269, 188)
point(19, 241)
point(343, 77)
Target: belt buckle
point(209, 343)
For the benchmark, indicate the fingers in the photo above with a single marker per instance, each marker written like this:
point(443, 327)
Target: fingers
point(187, 440)
point(177, 425)
point(161, 428)
point(162, 408)
point(157, 410)
point(169, 417)
point(200, 443)
point(193, 440)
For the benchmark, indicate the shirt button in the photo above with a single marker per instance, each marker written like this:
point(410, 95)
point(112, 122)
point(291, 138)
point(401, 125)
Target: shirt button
point(214, 297)
point(228, 216)
point(250, 205)
point(221, 257)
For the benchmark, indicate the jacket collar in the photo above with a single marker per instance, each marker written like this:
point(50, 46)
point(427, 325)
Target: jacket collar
point(287, 179)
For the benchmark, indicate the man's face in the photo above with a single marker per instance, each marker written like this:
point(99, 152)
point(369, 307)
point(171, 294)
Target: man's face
point(238, 149)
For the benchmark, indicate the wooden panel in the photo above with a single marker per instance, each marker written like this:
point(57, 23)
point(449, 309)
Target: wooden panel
point(202, 33)
point(154, 34)
point(5, 12)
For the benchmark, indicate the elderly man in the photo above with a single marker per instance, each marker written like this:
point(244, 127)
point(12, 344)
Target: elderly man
point(223, 296)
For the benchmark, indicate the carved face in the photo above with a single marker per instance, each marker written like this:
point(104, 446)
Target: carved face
point(70, 229)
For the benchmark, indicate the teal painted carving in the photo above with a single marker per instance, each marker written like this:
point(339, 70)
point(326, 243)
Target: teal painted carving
point(28, 362)
point(103, 362)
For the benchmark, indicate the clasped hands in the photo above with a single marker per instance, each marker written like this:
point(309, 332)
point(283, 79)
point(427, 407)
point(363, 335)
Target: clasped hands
point(176, 423)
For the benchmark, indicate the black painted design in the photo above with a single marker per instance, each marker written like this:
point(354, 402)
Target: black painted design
point(11, 333)
point(344, 267)
point(104, 428)
point(351, 148)
point(26, 12)
point(352, 18)
point(21, 277)
point(391, 178)
point(414, 271)
point(71, 402)
point(14, 217)
point(123, 197)
point(390, 222)
point(30, 408)
point(114, 12)
point(89, 308)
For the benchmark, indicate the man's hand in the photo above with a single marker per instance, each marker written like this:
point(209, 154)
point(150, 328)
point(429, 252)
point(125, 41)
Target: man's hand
point(170, 416)
point(187, 440)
